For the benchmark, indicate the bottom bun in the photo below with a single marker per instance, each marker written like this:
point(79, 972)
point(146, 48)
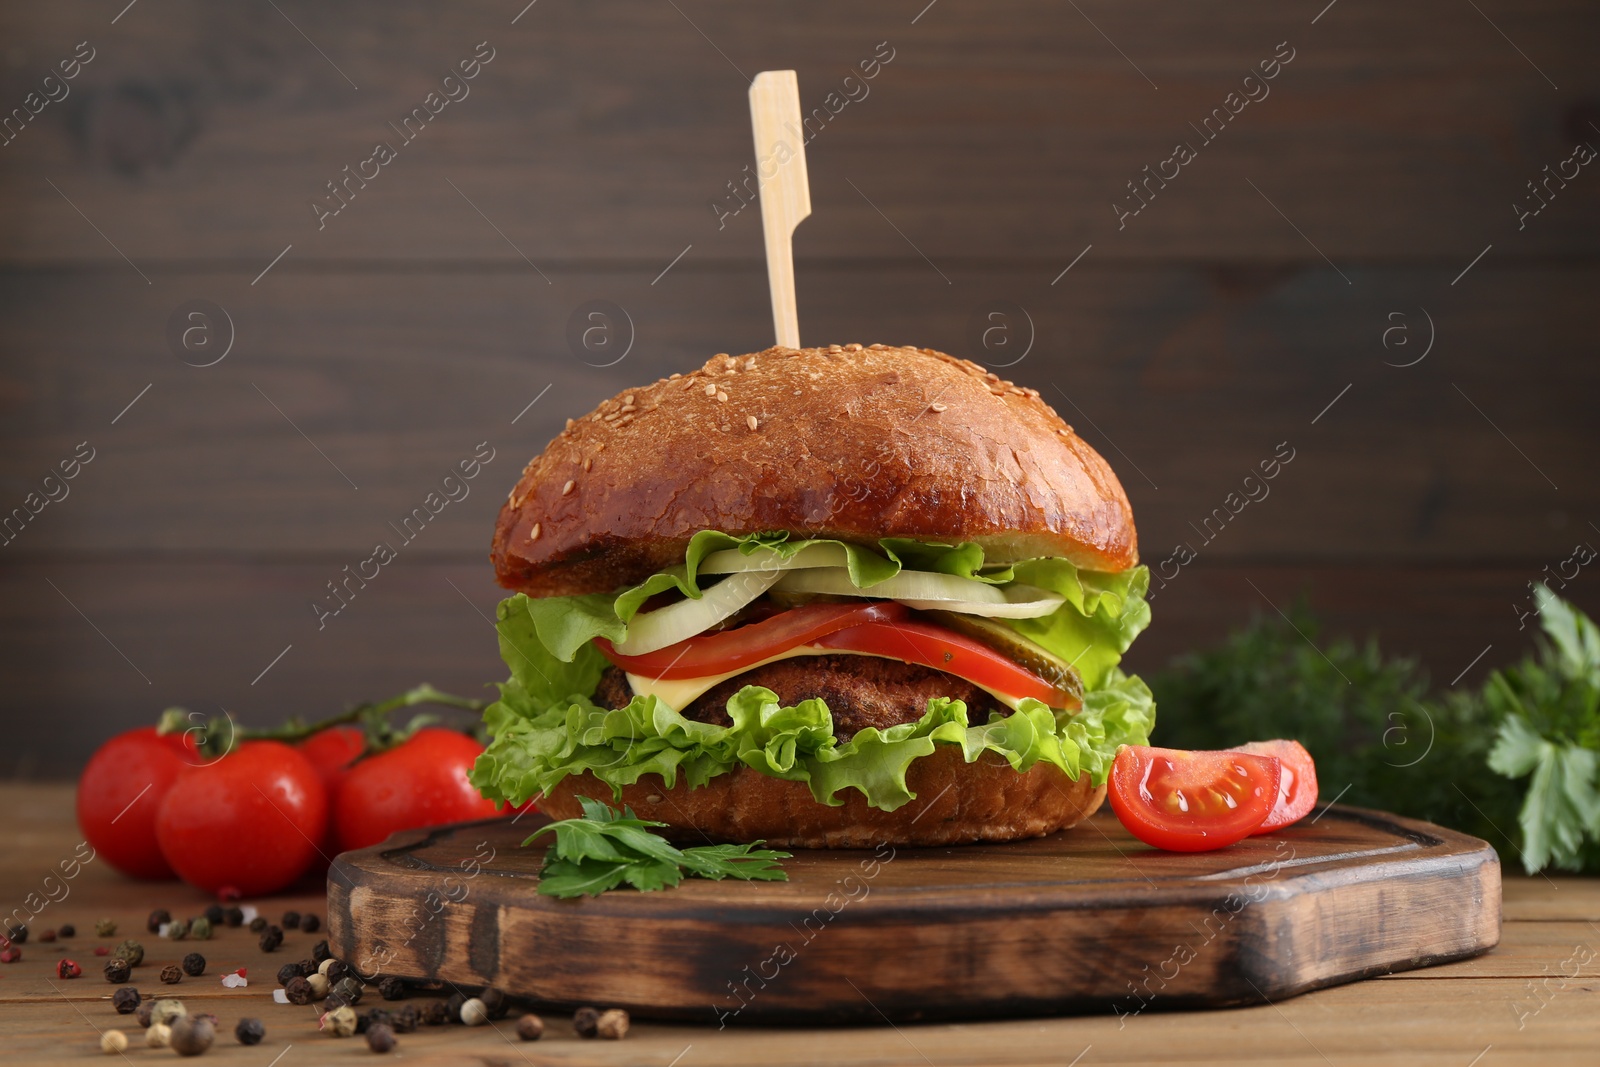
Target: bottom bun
point(957, 803)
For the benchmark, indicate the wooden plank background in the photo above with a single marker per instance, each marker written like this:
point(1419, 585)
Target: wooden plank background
point(1253, 291)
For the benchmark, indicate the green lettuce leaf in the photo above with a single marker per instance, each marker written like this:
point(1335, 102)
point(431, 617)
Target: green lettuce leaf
point(1104, 612)
point(536, 746)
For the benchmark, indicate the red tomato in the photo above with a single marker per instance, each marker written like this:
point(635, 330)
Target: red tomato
point(732, 650)
point(250, 821)
point(1297, 783)
point(331, 752)
point(119, 792)
point(945, 650)
point(1191, 801)
point(422, 782)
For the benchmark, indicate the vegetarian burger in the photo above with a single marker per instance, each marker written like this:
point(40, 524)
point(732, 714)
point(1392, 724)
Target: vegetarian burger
point(824, 597)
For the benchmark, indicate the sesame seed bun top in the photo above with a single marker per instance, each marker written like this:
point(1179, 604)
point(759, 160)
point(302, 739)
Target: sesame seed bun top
point(843, 442)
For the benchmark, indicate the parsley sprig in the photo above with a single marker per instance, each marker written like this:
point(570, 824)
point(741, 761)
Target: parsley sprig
point(608, 848)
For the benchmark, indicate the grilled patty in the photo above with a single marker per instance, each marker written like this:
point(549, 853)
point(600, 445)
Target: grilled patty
point(860, 691)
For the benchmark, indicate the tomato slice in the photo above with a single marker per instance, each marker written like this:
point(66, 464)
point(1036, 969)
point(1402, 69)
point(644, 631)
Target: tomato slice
point(1297, 784)
point(735, 649)
point(1191, 801)
point(948, 651)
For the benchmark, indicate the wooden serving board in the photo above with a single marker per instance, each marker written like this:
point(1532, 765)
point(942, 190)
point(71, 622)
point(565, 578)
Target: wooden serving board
point(1088, 920)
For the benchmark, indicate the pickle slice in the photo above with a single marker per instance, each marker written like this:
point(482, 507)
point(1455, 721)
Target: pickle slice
point(1061, 675)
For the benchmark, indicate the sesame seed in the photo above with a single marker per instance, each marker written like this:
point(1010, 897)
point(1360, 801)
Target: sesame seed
point(611, 417)
point(711, 389)
point(726, 427)
point(588, 463)
point(750, 363)
point(852, 348)
point(992, 376)
point(627, 400)
point(1062, 431)
point(569, 424)
point(565, 489)
point(836, 349)
point(797, 392)
point(629, 406)
point(722, 398)
point(751, 422)
point(937, 407)
point(533, 534)
point(720, 355)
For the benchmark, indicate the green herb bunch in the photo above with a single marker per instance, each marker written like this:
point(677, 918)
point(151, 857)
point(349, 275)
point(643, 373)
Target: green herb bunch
point(608, 848)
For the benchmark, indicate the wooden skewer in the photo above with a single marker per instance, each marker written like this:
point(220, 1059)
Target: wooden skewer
point(785, 188)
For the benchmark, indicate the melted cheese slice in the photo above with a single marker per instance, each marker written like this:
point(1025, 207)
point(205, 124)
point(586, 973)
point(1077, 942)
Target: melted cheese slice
point(679, 693)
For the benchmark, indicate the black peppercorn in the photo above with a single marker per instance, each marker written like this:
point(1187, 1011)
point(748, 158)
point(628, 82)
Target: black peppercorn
point(310, 923)
point(67, 930)
point(335, 1001)
point(249, 1031)
point(234, 916)
point(157, 919)
point(291, 920)
point(215, 914)
point(586, 1021)
point(289, 971)
point(258, 924)
point(298, 990)
point(435, 1013)
point(348, 988)
point(143, 1012)
point(118, 970)
point(452, 1006)
point(172, 974)
point(375, 1017)
point(405, 1019)
point(494, 1002)
point(270, 940)
point(17, 932)
point(126, 1000)
point(380, 1038)
point(392, 988)
point(192, 1034)
point(194, 965)
point(530, 1027)
point(334, 969)
point(319, 952)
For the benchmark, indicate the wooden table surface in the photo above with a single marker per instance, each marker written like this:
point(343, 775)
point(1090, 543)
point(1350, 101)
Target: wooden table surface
point(1536, 998)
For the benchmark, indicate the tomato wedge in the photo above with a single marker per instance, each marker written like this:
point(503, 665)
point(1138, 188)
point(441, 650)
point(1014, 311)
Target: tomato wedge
point(948, 651)
point(735, 649)
point(1191, 801)
point(1297, 784)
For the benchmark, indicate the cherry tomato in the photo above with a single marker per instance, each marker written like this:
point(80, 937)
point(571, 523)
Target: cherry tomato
point(421, 782)
point(119, 792)
point(249, 821)
point(1191, 801)
point(736, 649)
point(1297, 782)
point(945, 650)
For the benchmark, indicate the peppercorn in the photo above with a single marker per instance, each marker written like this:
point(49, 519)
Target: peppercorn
point(270, 940)
point(530, 1027)
point(495, 1001)
point(17, 932)
point(118, 970)
point(67, 969)
point(143, 1011)
point(177, 929)
point(158, 1035)
point(67, 930)
point(334, 969)
point(291, 920)
point(10, 954)
point(200, 929)
point(319, 984)
point(319, 952)
point(452, 1006)
point(340, 1021)
point(166, 1010)
point(194, 965)
point(105, 928)
point(298, 990)
point(333, 1001)
point(214, 914)
point(372, 1017)
point(158, 918)
point(307, 968)
point(405, 1019)
point(288, 971)
point(258, 924)
point(47, 935)
point(113, 1041)
point(131, 951)
point(249, 1031)
point(101, 950)
point(192, 1035)
point(392, 988)
point(586, 1021)
point(348, 988)
point(233, 915)
point(380, 1038)
point(473, 1013)
point(436, 1013)
point(126, 1000)
point(172, 974)
point(612, 1025)
point(310, 924)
